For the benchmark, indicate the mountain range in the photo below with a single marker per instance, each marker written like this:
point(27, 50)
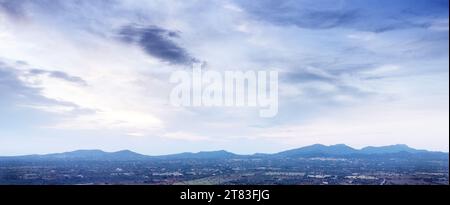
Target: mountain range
point(316, 150)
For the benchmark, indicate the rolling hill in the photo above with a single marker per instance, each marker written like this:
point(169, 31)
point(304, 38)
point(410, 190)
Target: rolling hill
point(316, 150)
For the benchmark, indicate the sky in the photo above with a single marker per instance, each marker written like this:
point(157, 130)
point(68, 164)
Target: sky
point(94, 74)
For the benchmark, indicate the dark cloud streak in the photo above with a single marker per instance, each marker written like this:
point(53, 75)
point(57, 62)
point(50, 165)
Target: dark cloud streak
point(157, 42)
point(60, 75)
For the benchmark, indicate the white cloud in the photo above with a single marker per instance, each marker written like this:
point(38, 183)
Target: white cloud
point(381, 71)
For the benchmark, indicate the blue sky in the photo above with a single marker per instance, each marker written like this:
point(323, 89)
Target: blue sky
point(95, 74)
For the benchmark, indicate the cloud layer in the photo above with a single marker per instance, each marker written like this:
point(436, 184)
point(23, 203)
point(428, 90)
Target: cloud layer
point(95, 74)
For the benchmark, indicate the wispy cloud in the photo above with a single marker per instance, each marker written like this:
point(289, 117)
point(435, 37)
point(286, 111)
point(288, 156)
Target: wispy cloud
point(369, 15)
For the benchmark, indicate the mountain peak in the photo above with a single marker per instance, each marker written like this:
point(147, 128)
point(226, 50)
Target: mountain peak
point(319, 150)
point(125, 151)
point(400, 145)
point(389, 149)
